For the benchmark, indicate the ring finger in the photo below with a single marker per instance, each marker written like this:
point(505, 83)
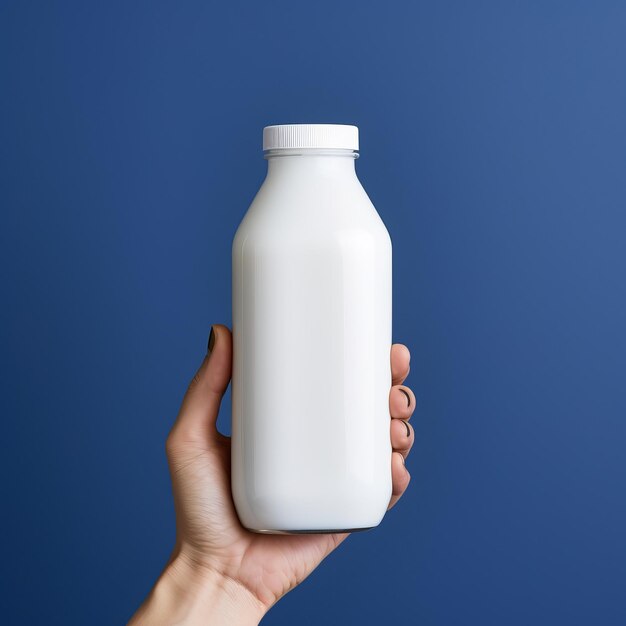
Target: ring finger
point(402, 436)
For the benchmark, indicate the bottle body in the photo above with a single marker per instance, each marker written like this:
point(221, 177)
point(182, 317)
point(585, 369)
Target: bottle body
point(311, 448)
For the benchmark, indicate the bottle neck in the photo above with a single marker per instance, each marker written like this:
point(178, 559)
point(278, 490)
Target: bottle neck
point(311, 162)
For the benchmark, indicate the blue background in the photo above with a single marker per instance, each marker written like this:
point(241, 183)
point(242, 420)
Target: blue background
point(494, 147)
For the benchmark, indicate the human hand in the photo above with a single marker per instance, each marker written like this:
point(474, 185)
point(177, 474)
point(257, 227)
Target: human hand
point(219, 571)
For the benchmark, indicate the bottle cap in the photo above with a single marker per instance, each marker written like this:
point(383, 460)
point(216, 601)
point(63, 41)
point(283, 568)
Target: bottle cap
point(324, 136)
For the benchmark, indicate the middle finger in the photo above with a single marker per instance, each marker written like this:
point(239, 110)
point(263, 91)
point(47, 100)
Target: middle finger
point(401, 402)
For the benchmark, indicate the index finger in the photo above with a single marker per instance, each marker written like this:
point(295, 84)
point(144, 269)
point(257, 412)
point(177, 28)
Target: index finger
point(400, 363)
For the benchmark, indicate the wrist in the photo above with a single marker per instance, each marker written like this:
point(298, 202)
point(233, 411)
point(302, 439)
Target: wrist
point(191, 594)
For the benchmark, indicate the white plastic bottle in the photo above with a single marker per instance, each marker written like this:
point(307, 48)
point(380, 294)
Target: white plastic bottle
point(311, 448)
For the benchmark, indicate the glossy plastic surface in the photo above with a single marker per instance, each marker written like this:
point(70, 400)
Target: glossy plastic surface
point(312, 334)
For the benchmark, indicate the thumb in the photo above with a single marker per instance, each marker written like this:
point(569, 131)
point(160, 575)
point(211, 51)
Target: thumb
point(198, 412)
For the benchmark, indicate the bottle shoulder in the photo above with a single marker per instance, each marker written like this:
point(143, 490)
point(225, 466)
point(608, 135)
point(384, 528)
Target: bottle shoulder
point(307, 211)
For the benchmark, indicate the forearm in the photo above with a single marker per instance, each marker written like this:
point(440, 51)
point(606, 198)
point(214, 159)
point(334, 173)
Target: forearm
point(186, 595)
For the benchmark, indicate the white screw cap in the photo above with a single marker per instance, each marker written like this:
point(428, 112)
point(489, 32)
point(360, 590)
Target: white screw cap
point(330, 136)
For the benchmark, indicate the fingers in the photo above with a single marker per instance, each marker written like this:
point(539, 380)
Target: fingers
point(402, 436)
point(198, 413)
point(400, 477)
point(400, 363)
point(401, 407)
point(401, 402)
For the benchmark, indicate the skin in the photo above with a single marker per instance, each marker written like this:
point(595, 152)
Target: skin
point(220, 573)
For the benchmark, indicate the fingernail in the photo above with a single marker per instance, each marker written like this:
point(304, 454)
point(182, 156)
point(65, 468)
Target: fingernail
point(408, 429)
point(211, 341)
point(408, 397)
point(402, 457)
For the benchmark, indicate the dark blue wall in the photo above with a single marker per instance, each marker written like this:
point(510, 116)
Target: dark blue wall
point(494, 147)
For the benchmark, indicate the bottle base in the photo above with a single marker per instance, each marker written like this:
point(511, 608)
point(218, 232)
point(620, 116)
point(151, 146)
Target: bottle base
point(321, 531)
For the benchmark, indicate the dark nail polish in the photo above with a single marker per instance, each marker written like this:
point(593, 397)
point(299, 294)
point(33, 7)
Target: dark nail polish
point(408, 397)
point(408, 429)
point(211, 341)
